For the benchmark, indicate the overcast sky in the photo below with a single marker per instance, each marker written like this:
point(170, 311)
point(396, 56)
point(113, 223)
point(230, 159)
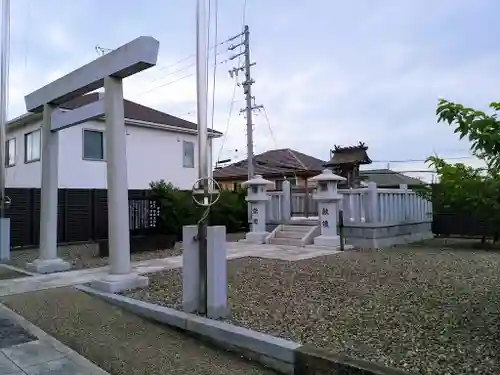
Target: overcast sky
point(328, 72)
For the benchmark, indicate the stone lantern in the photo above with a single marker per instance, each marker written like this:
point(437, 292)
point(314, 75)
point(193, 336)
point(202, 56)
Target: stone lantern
point(328, 200)
point(257, 197)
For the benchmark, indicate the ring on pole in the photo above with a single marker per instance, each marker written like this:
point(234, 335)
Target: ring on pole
point(211, 200)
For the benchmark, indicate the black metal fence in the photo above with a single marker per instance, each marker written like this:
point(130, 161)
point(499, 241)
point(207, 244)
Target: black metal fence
point(461, 224)
point(82, 215)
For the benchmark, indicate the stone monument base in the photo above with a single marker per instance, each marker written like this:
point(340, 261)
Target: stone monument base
point(118, 283)
point(256, 237)
point(327, 241)
point(48, 265)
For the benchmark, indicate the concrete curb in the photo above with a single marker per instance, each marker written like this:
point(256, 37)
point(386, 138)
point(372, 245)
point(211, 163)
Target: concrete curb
point(276, 353)
point(284, 356)
point(310, 360)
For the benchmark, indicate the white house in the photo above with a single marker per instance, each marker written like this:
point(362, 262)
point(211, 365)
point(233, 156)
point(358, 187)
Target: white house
point(159, 146)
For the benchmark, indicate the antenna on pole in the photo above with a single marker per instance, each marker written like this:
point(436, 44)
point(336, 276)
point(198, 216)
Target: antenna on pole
point(101, 50)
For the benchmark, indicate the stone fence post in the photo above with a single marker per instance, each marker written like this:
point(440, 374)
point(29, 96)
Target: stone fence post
point(404, 187)
point(286, 202)
point(373, 216)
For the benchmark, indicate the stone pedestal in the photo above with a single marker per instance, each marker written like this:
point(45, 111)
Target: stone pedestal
point(48, 265)
point(4, 239)
point(114, 283)
point(328, 200)
point(257, 197)
point(217, 305)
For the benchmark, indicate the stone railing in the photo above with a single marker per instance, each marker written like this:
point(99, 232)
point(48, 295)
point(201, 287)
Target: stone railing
point(369, 204)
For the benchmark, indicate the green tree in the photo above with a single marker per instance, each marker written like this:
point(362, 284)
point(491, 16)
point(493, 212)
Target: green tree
point(463, 188)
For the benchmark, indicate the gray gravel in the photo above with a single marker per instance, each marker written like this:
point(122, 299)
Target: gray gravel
point(7, 273)
point(123, 343)
point(420, 309)
point(86, 256)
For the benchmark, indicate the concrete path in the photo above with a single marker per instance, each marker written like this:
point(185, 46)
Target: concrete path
point(235, 250)
point(27, 350)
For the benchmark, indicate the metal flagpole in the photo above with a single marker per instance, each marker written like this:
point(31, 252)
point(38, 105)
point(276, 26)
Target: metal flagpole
point(4, 95)
point(202, 100)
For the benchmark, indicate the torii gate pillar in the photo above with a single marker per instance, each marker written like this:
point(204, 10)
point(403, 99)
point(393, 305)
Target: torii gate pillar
point(108, 71)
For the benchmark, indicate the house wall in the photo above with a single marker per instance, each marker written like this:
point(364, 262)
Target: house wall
point(152, 154)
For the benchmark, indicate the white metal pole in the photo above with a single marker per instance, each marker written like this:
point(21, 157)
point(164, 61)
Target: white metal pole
point(4, 95)
point(202, 87)
point(202, 101)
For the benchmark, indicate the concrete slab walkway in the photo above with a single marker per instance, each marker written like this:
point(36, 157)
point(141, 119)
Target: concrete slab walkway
point(27, 350)
point(235, 250)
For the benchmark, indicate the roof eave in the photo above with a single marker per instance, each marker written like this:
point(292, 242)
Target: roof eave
point(29, 118)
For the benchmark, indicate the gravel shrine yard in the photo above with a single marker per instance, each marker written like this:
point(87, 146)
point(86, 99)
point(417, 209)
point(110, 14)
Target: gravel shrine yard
point(423, 309)
point(86, 256)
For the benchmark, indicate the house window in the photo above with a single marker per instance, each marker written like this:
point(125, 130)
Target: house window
point(10, 152)
point(187, 154)
point(236, 186)
point(93, 145)
point(32, 146)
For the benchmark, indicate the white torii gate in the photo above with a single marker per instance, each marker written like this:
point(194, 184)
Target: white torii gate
point(107, 71)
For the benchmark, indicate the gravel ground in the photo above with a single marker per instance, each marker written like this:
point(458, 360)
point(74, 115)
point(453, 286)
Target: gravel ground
point(420, 309)
point(86, 256)
point(6, 274)
point(122, 343)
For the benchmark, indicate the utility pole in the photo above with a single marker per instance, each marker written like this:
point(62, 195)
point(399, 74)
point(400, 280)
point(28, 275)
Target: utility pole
point(247, 90)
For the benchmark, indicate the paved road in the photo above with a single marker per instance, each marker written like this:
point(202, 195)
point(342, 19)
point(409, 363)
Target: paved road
point(23, 351)
point(122, 343)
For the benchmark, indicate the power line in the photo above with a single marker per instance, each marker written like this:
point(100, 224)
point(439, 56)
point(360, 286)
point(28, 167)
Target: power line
point(176, 71)
point(228, 122)
point(422, 160)
point(269, 126)
point(167, 84)
point(175, 80)
point(164, 67)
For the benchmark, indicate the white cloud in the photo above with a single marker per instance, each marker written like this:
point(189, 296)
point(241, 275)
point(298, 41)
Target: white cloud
point(373, 74)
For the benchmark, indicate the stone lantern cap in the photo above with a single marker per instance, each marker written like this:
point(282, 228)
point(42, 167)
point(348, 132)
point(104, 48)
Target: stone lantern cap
point(327, 176)
point(257, 180)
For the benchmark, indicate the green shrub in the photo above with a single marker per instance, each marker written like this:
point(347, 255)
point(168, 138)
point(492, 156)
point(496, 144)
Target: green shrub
point(231, 211)
point(177, 209)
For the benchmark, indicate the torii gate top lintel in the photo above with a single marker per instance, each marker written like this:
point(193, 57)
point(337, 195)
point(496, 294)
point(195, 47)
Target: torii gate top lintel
point(131, 58)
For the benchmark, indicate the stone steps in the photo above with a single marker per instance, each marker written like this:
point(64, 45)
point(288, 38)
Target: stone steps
point(291, 235)
point(296, 228)
point(286, 241)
